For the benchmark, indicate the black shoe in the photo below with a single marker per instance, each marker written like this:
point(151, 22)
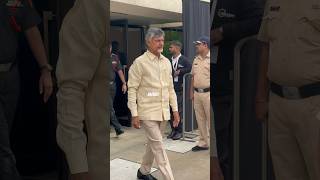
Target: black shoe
point(145, 177)
point(198, 148)
point(171, 134)
point(177, 136)
point(119, 132)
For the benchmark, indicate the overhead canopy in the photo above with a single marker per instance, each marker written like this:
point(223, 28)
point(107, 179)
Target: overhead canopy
point(139, 12)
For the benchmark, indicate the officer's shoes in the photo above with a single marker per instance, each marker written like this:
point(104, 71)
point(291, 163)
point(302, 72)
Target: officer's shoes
point(145, 177)
point(171, 134)
point(198, 148)
point(177, 136)
point(119, 132)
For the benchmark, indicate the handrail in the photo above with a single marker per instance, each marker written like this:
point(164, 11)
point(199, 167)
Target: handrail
point(184, 111)
point(236, 113)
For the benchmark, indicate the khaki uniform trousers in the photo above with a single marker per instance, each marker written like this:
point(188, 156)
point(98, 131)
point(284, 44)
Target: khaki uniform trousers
point(82, 74)
point(155, 150)
point(202, 109)
point(294, 137)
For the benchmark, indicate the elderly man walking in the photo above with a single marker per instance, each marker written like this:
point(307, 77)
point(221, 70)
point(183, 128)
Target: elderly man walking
point(150, 92)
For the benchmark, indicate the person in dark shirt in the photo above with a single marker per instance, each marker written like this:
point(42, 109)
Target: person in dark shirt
point(233, 20)
point(180, 66)
point(121, 55)
point(17, 17)
point(117, 68)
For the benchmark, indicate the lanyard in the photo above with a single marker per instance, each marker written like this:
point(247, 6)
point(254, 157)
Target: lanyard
point(175, 65)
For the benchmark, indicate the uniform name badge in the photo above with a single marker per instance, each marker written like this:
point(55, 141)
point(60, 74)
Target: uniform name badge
point(215, 51)
point(152, 94)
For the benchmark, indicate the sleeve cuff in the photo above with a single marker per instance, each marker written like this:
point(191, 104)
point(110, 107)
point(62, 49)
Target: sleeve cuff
point(175, 109)
point(134, 113)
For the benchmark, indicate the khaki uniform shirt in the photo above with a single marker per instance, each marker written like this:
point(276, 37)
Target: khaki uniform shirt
point(150, 88)
point(201, 72)
point(82, 41)
point(292, 29)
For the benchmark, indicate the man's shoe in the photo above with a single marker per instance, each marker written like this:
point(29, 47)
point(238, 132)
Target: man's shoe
point(177, 136)
point(119, 132)
point(145, 177)
point(198, 148)
point(171, 134)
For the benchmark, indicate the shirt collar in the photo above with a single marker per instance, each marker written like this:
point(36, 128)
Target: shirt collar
point(177, 58)
point(206, 57)
point(152, 56)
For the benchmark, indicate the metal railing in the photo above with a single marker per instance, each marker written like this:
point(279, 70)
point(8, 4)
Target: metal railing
point(184, 133)
point(236, 115)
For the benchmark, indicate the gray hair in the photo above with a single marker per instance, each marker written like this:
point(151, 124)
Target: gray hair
point(176, 43)
point(154, 33)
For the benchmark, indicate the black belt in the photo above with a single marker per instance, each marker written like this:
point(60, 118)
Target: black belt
point(199, 90)
point(301, 92)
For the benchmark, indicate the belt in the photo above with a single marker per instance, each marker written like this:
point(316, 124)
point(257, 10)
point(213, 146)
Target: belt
point(199, 90)
point(290, 92)
point(5, 67)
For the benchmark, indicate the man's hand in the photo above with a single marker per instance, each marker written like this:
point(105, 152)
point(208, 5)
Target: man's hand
point(261, 108)
point(216, 35)
point(176, 119)
point(216, 172)
point(176, 73)
point(45, 84)
point(124, 88)
point(136, 122)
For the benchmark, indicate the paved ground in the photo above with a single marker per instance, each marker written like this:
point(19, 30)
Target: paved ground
point(187, 166)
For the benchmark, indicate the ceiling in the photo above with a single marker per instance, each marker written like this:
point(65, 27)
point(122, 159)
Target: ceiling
point(137, 15)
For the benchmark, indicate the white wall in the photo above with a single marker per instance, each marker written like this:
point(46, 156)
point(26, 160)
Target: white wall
point(165, 5)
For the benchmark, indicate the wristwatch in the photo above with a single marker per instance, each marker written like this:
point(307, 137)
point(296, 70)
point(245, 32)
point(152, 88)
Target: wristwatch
point(47, 67)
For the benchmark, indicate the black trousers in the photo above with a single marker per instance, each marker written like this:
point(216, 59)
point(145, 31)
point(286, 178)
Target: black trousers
point(113, 118)
point(180, 108)
point(223, 113)
point(9, 92)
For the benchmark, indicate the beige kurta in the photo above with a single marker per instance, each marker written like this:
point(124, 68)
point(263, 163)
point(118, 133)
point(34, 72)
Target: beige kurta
point(150, 88)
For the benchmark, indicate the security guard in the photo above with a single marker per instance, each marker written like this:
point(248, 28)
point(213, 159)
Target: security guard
point(200, 91)
point(150, 92)
point(83, 96)
point(233, 20)
point(15, 17)
point(290, 55)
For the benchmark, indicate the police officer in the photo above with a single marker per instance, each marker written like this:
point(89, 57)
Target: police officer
point(200, 91)
point(17, 17)
point(117, 68)
point(83, 96)
point(180, 66)
point(233, 20)
point(291, 90)
point(150, 93)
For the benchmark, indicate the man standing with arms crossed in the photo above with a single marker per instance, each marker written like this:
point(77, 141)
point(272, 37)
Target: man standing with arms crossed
point(150, 92)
